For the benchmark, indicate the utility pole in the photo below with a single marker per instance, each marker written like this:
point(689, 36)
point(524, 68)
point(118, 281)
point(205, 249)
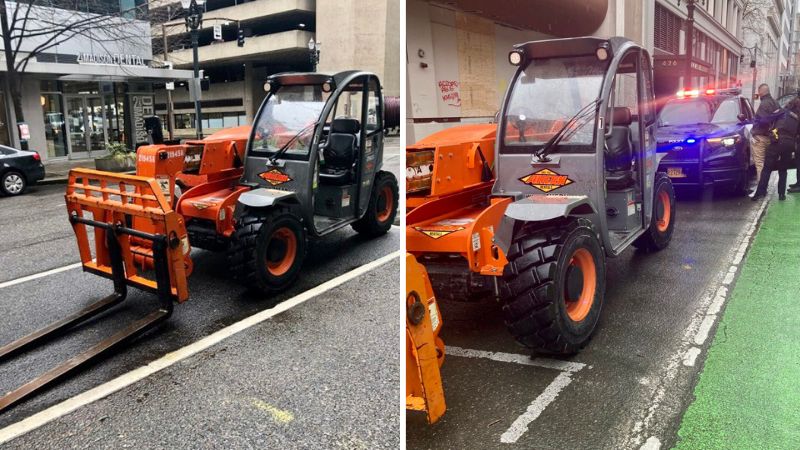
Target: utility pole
point(194, 20)
point(170, 115)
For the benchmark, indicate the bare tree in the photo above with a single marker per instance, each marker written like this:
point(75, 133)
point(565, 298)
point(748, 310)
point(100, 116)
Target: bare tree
point(31, 28)
point(754, 15)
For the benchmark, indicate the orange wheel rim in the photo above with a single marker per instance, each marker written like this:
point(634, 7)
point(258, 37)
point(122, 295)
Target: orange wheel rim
point(281, 251)
point(385, 204)
point(662, 223)
point(578, 308)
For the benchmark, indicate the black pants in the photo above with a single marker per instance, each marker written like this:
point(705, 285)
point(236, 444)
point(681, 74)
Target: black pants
point(778, 157)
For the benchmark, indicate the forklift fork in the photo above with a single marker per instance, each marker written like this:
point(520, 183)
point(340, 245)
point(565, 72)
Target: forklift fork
point(114, 262)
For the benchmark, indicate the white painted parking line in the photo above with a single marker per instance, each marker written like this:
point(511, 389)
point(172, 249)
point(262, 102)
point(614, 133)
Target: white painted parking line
point(520, 425)
point(555, 364)
point(67, 406)
point(6, 284)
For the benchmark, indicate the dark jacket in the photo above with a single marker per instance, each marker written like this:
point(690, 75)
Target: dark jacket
point(768, 111)
point(788, 126)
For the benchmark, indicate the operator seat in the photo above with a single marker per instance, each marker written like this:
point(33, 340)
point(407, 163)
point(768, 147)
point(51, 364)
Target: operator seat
point(340, 152)
point(619, 150)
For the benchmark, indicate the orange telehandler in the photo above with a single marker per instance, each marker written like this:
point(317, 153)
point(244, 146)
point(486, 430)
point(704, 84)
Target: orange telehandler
point(310, 165)
point(440, 165)
point(576, 182)
point(448, 161)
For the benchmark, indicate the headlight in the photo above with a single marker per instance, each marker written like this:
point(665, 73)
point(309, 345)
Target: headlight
point(726, 141)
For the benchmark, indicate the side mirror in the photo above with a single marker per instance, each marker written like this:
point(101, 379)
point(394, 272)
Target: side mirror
point(742, 118)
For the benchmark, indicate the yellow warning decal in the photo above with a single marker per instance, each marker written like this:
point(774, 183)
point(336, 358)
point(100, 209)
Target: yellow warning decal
point(436, 232)
point(546, 180)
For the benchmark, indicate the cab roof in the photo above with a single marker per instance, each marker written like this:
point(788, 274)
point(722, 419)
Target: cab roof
point(295, 78)
point(570, 47)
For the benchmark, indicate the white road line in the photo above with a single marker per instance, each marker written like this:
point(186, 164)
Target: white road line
point(564, 366)
point(6, 284)
point(535, 409)
point(699, 327)
point(652, 443)
point(691, 356)
point(67, 406)
point(520, 426)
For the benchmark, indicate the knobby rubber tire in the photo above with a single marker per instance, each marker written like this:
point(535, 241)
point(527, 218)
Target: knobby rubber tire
point(533, 284)
point(370, 225)
point(248, 253)
point(653, 239)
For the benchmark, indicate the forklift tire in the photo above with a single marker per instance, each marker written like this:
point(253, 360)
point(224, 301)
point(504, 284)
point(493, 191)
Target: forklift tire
point(553, 286)
point(662, 223)
point(267, 251)
point(382, 207)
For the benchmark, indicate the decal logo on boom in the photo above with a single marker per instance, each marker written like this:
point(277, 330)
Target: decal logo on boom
point(275, 177)
point(546, 180)
point(436, 232)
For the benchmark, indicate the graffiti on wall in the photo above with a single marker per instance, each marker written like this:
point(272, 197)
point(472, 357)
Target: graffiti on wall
point(449, 91)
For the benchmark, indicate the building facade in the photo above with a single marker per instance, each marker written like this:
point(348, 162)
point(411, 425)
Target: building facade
point(456, 56)
point(93, 88)
point(768, 43)
point(356, 34)
point(716, 46)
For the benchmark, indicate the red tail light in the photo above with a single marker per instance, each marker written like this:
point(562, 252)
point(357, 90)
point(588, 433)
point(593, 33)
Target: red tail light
point(36, 156)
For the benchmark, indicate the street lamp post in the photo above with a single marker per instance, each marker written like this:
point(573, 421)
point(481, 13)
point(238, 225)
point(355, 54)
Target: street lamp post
point(194, 19)
point(690, 6)
point(313, 52)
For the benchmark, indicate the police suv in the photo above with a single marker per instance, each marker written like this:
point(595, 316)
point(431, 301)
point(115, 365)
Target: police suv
point(706, 135)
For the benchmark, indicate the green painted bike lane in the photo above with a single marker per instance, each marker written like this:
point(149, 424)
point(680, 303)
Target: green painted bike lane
point(748, 395)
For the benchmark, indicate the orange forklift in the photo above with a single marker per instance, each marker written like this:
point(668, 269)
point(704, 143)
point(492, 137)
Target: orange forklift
point(311, 165)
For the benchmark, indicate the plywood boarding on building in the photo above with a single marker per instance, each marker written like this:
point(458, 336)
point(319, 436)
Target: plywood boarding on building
point(476, 65)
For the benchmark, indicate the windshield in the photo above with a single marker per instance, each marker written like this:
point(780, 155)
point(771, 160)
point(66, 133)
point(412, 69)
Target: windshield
point(288, 117)
point(547, 93)
point(685, 112)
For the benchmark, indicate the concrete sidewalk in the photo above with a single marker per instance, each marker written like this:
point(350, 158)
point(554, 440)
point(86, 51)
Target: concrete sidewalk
point(748, 395)
point(57, 171)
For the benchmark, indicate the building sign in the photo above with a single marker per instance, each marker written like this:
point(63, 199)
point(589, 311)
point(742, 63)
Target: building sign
point(117, 59)
point(24, 131)
point(142, 105)
point(675, 66)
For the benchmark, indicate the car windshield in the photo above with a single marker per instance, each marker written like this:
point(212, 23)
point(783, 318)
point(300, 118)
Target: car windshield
point(693, 111)
point(547, 93)
point(288, 118)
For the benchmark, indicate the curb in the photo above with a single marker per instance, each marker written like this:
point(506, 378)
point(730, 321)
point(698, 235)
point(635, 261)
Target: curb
point(46, 181)
point(64, 179)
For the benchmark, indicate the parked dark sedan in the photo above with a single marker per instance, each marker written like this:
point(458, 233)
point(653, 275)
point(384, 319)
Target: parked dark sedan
point(706, 136)
point(18, 170)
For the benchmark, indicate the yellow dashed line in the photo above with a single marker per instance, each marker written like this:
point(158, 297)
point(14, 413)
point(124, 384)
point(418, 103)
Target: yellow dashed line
point(278, 415)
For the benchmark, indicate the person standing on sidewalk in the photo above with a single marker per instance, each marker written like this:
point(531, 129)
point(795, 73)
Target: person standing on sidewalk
point(779, 153)
point(762, 123)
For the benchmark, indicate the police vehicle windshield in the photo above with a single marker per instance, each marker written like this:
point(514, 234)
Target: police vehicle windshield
point(698, 110)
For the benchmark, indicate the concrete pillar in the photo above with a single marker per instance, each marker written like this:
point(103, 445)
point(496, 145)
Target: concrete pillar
point(247, 91)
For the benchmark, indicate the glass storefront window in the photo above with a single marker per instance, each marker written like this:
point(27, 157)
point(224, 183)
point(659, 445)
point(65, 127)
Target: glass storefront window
point(54, 125)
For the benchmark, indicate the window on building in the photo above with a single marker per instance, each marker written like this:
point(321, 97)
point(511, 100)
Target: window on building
point(667, 30)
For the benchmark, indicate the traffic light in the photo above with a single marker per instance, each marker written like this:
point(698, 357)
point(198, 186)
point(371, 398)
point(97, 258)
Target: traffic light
point(240, 38)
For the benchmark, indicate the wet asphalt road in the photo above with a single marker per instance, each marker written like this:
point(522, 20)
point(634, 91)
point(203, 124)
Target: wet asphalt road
point(633, 386)
point(36, 237)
